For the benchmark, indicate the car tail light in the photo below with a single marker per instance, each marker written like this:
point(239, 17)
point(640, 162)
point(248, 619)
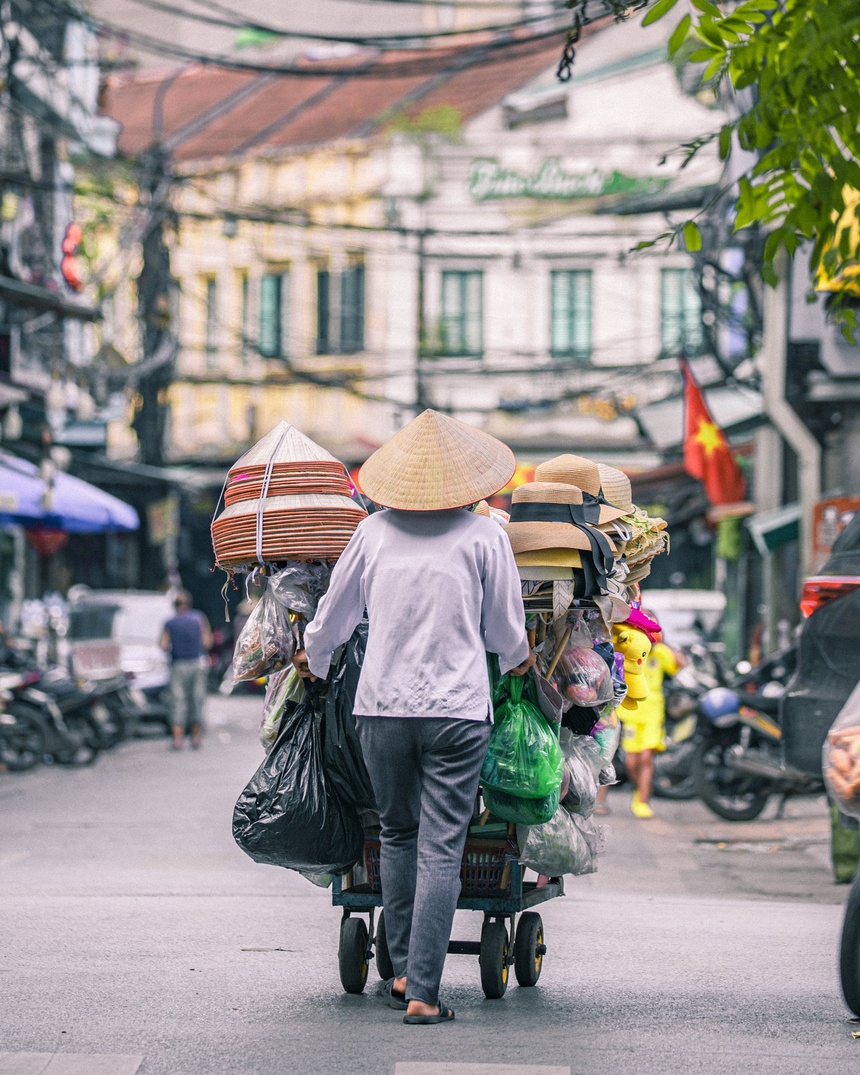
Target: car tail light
point(822, 589)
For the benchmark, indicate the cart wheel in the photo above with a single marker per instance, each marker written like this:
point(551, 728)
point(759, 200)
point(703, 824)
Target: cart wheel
point(383, 957)
point(352, 955)
point(493, 959)
point(529, 948)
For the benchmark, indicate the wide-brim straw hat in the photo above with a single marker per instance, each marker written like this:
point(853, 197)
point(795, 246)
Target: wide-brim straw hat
point(569, 558)
point(571, 469)
point(583, 473)
point(615, 486)
point(527, 536)
point(436, 462)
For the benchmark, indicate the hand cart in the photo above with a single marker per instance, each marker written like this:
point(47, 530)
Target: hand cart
point(493, 883)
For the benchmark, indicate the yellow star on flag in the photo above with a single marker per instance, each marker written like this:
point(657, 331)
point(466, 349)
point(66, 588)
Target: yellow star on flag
point(709, 436)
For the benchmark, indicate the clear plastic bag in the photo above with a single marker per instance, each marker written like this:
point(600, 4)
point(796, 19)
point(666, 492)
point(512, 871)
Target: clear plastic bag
point(266, 643)
point(607, 776)
point(840, 757)
point(583, 763)
point(582, 675)
point(557, 847)
point(299, 586)
point(607, 734)
point(283, 687)
point(524, 757)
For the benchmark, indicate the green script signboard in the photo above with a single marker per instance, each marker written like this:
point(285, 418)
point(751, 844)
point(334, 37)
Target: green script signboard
point(489, 180)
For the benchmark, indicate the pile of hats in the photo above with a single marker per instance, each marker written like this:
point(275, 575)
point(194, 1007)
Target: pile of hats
point(647, 534)
point(576, 524)
point(285, 499)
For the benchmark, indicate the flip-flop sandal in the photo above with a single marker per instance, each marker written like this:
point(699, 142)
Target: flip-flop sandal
point(395, 1000)
point(444, 1015)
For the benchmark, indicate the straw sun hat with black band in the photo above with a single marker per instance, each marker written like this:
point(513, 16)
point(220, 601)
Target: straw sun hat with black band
point(585, 475)
point(436, 462)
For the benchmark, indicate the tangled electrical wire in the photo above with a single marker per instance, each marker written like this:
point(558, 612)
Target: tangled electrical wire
point(620, 10)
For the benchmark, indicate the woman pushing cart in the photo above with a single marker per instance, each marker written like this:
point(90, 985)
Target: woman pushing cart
point(441, 589)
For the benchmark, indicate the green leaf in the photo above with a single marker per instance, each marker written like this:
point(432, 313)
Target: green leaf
point(711, 33)
point(769, 275)
point(713, 67)
point(725, 142)
point(750, 12)
point(658, 11)
point(708, 8)
point(692, 236)
point(703, 54)
point(679, 34)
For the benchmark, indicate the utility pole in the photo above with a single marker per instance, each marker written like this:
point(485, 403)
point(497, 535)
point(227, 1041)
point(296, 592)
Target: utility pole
point(156, 369)
point(421, 402)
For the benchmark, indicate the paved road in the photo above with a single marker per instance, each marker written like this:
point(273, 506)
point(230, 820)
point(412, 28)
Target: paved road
point(138, 938)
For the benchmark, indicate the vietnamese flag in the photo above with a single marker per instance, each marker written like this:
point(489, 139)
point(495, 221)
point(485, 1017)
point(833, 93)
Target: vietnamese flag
point(707, 456)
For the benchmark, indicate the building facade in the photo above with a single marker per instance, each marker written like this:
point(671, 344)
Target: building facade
point(349, 250)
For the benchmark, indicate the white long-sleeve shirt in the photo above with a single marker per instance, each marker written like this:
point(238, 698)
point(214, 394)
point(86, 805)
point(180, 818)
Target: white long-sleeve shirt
point(440, 588)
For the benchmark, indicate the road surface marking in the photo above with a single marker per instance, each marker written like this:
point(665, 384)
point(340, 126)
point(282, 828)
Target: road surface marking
point(69, 1064)
point(479, 1069)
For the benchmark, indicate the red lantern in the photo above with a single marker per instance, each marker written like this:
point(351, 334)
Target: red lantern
point(46, 541)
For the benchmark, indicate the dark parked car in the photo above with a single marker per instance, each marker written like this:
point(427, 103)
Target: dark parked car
point(829, 654)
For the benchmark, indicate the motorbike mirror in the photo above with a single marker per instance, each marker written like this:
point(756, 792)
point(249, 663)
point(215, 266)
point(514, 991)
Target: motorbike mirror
point(743, 668)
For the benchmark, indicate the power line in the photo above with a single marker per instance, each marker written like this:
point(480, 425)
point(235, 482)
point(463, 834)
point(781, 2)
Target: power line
point(434, 60)
point(235, 21)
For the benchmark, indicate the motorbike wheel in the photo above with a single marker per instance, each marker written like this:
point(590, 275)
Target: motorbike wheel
point(22, 744)
point(84, 741)
point(849, 949)
point(674, 776)
point(114, 724)
point(731, 795)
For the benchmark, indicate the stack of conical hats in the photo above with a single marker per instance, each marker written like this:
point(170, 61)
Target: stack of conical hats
point(285, 499)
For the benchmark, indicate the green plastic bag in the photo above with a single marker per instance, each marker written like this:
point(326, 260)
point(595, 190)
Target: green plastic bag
point(524, 757)
point(521, 811)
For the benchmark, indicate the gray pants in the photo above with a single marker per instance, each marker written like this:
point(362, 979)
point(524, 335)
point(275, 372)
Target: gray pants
point(188, 693)
point(425, 775)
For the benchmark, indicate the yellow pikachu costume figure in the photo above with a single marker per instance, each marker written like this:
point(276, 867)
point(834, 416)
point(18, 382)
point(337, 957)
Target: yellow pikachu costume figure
point(634, 645)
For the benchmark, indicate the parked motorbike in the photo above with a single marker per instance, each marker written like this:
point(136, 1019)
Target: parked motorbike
point(737, 762)
point(673, 767)
point(23, 738)
point(70, 722)
point(706, 669)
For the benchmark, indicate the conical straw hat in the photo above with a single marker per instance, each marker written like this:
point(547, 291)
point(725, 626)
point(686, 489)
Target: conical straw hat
point(436, 462)
point(283, 444)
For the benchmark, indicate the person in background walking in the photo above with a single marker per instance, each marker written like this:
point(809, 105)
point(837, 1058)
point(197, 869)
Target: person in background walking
point(441, 588)
point(644, 729)
point(187, 637)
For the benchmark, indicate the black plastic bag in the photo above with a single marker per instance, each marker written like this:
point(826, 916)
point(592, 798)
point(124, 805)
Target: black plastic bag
point(343, 759)
point(293, 813)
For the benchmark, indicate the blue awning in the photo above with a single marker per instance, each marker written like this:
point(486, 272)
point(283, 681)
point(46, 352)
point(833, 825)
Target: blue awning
point(66, 503)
